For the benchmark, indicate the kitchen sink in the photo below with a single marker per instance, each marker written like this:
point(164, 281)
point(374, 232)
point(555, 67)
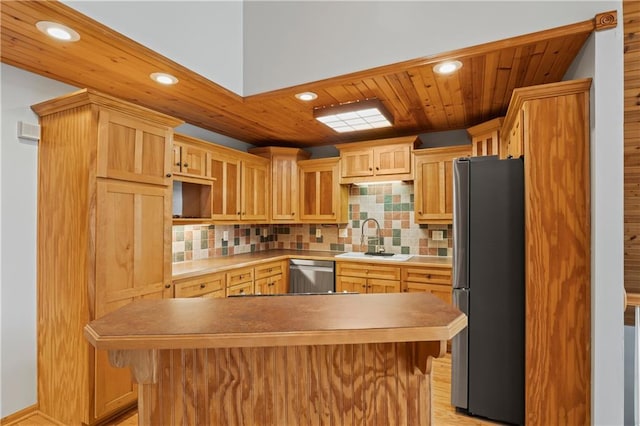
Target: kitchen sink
point(372, 256)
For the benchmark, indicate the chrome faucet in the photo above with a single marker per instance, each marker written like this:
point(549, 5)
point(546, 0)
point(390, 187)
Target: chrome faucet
point(378, 249)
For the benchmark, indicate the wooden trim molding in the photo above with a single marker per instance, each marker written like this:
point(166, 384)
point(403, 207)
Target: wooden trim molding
point(632, 299)
point(606, 20)
point(16, 417)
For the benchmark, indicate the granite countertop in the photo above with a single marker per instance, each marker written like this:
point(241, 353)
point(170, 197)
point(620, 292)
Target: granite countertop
point(194, 268)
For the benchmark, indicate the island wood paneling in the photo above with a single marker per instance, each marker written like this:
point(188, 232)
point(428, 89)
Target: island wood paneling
point(631, 22)
point(419, 100)
point(360, 384)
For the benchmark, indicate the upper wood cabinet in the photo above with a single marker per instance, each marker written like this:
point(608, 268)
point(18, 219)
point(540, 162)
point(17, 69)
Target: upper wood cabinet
point(513, 136)
point(378, 160)
point(433, 185)
point(485, 137)
point(285, 197)
point(241, 186)
point(322, 198)
point(190, 156)
point(133, 149)
point(104, 240)
point(255, 189)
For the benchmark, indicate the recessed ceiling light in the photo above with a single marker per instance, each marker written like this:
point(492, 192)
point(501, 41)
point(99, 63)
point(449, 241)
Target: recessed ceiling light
point(57, 31)
point(163, 78)
point(306, 96)
point(447, 67)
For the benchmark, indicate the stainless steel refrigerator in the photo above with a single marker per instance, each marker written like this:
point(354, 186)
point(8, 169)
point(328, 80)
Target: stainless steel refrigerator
point(487, 372)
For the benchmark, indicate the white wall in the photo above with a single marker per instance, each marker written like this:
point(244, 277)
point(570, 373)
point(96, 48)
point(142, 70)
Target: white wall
point(19, 160)
point(204, 36)
point(602, 59)
point(293, 42)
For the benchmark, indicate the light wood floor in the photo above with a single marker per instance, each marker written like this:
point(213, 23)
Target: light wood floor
point(444, 414)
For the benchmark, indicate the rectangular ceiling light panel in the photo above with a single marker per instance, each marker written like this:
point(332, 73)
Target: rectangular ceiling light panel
point(354, 116)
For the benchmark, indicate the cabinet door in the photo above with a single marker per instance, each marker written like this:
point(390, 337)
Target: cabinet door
point(284, 200)
point(383, 286)
point(351, 284)
point(226, 186)
point(193, 160)
point(133, 261)
point(357, 163)
point(320, 193)
point(392, 160)
point(255, 190)
point(433, 200)
point(269, 285)
point(515, 147)
point(133, 149)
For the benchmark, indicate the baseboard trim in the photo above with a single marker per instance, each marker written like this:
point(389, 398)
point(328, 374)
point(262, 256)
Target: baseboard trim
point(19, 415)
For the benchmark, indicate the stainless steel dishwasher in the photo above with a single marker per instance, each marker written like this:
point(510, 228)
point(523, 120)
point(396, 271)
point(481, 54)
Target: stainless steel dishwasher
point(311, 276)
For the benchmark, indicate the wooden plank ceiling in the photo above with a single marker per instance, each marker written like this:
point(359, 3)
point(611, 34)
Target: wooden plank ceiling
point(419, 100)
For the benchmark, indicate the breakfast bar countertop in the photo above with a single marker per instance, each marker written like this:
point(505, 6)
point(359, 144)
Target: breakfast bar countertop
point(194, 268)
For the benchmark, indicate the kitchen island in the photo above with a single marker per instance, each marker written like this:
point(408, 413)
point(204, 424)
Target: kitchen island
point(281, 360)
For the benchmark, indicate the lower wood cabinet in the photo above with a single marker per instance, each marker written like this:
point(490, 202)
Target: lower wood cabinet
point(367, 277)
point(240, 281)
point(210, 285)
point(430, 279)
point(272, 277)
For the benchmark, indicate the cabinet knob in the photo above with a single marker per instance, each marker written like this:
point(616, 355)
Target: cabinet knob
point(241, 290)
point(167, 286)
point(428, 276)
point(238, 213)
point(377, 168)
point(168, 174)
point(370, 169)
point(203, 285)
point(293, 213)
point(419, 212)
point(185, 165)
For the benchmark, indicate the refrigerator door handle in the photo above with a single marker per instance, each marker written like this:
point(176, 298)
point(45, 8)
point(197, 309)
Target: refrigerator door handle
point(460, 269)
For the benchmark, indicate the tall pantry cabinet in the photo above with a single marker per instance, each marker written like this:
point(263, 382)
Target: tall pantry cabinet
point(104, 240)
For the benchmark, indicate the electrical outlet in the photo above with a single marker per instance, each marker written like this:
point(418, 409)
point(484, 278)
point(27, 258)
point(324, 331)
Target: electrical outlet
point(318, 233)
point(344, 233)
point(225, 236)
point(437, 236)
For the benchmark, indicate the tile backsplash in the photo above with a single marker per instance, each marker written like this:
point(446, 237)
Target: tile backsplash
point(391, 204)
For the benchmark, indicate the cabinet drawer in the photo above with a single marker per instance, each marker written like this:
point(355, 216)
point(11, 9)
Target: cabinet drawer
point(368, 270)
point(441, 291)
point(200, 286)
point(238, 289)
point(239, 276)
point(429, 275)
point(268, 270)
